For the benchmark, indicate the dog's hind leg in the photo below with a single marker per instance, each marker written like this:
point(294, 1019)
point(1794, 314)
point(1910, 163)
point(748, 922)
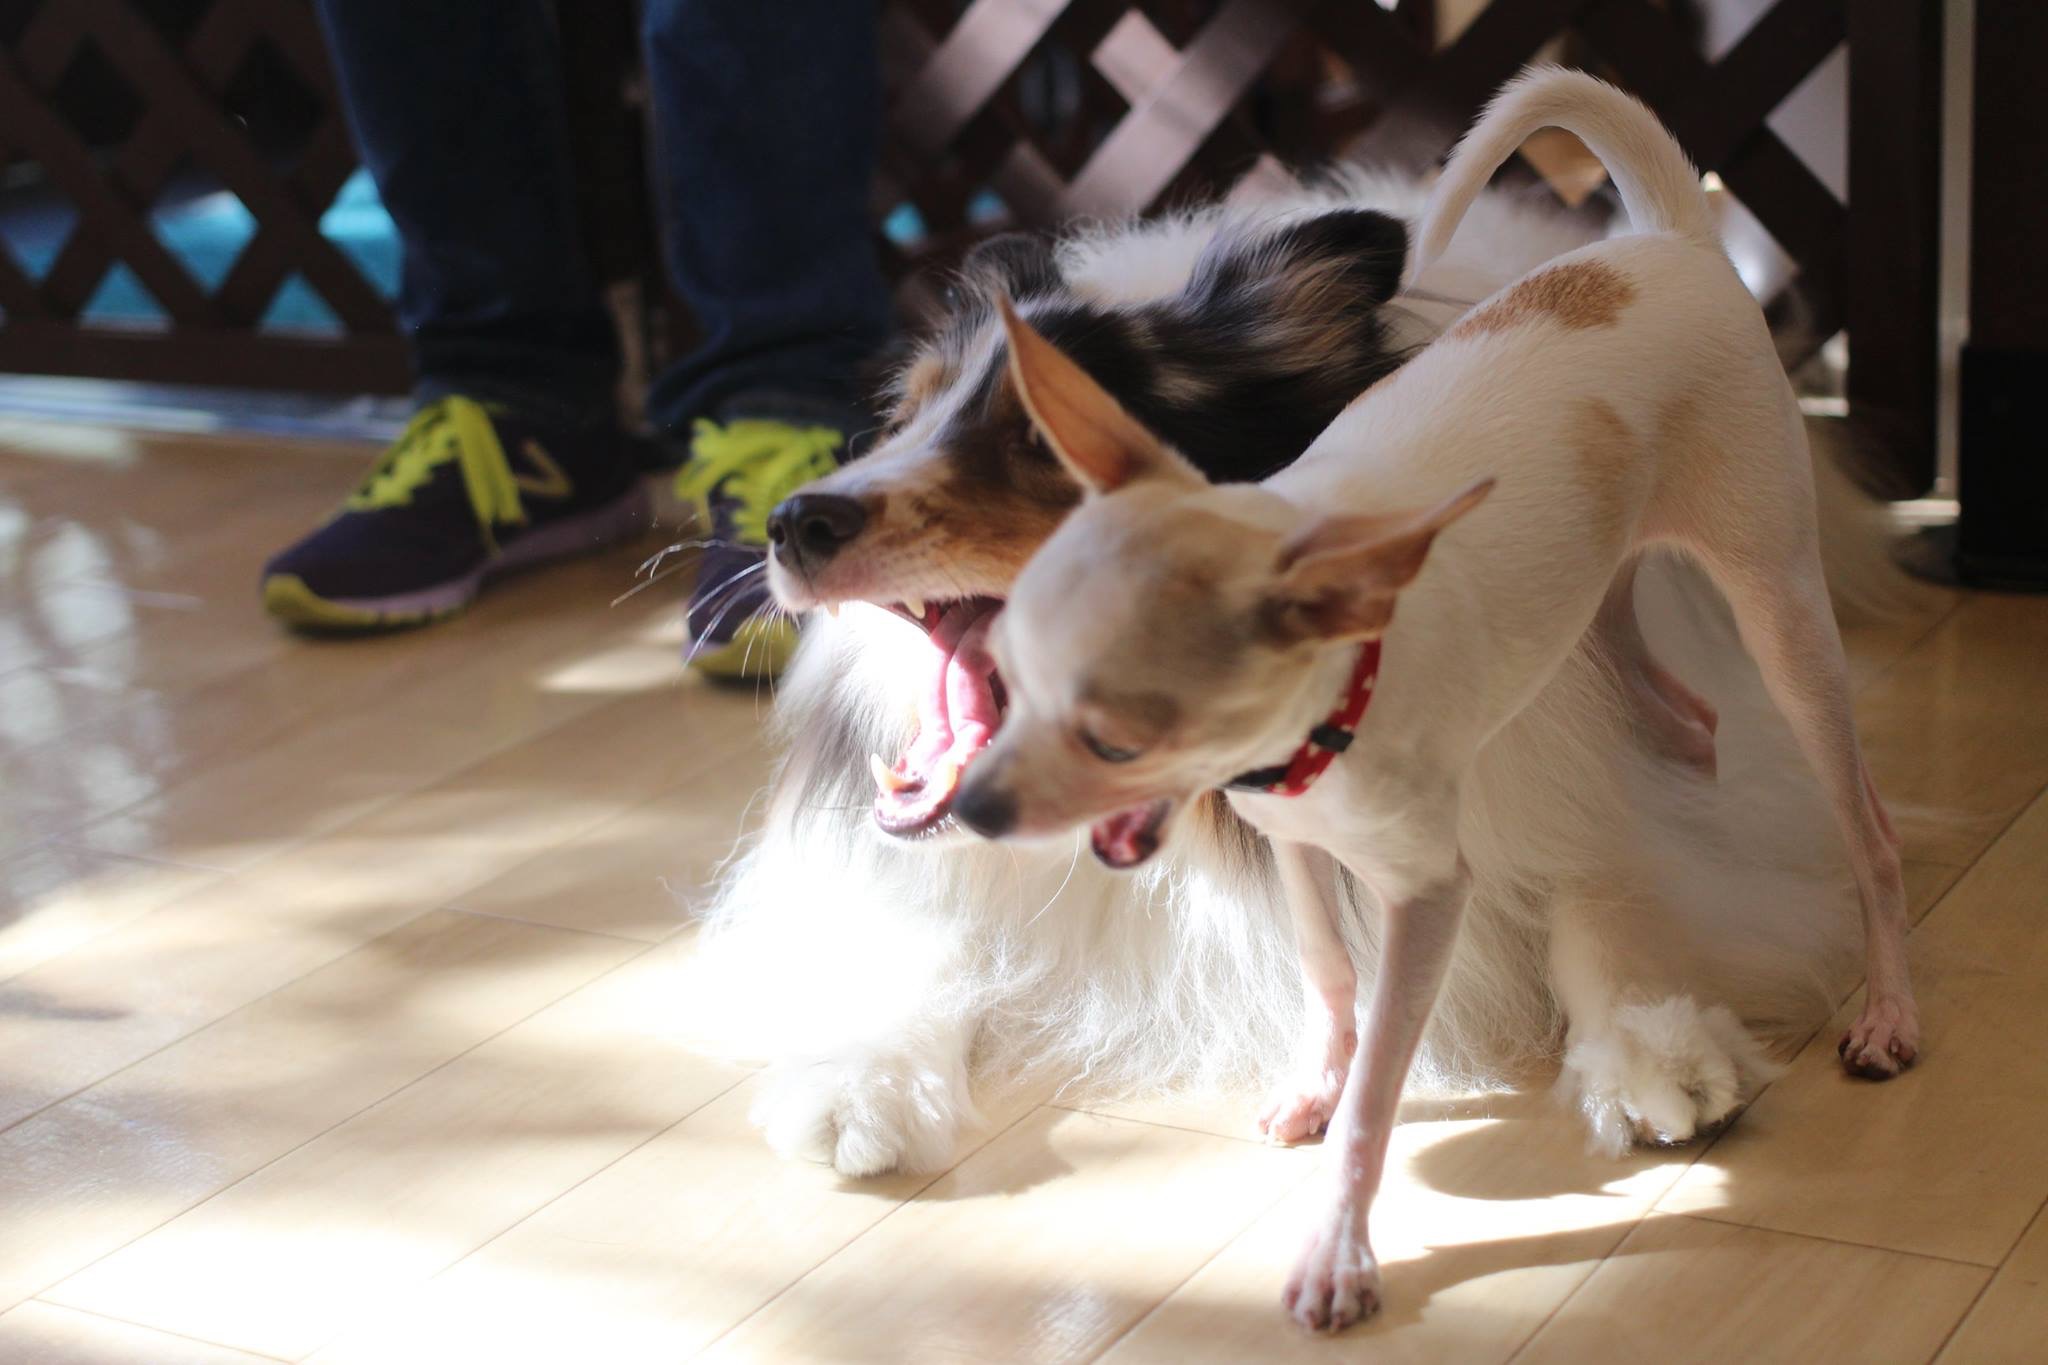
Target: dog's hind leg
point(1668, 717)
point(1791, 631)
point(1767, 563)
point(1301, 1105)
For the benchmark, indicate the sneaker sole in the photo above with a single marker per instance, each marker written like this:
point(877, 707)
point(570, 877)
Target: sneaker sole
point(288, 598)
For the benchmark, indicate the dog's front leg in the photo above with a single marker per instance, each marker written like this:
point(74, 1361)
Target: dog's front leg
point(1336, 1282)
point(1301, 1105)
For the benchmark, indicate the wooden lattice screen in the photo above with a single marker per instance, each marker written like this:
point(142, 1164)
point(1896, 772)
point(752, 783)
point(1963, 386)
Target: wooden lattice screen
point(181, 86)
point(1014, 112)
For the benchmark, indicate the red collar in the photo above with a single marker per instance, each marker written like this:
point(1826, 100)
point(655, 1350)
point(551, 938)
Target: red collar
point(1326, 741)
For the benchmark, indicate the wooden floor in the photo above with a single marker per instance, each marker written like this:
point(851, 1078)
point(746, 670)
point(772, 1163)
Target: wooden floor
point(333, 979)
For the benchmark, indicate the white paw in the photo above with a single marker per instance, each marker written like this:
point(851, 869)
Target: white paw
point(1884, 1040)
point(867, 1112)
point(1300, 1108)
point(1302, 1105)
point(1663, 1073)
point(1336, 1281)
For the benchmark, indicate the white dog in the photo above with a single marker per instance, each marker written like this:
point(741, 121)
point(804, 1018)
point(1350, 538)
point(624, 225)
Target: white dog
point(1174, 636)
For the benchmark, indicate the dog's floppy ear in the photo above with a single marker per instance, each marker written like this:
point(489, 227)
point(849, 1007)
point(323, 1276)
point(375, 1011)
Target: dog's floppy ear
point(1101, 445)
point(1339, 576)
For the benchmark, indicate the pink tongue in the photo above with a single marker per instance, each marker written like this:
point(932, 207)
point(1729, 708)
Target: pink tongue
point(1127, 838)
point(956, 717)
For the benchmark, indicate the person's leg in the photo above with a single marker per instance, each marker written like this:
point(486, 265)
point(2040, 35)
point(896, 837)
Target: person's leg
point(515, 455)
point(768, 118)
point(459, 112)
point(767, 121)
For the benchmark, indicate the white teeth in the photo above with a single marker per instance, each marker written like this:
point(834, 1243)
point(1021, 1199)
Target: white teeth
point(832, 610)
point(915, 606)
point(885, 777)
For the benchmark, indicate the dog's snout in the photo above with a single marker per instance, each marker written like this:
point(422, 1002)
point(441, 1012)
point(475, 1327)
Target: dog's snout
point(809, 528)
point(987, 809)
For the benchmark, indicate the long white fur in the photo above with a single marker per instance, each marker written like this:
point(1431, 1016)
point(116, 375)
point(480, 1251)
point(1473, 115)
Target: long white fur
point(877, 977)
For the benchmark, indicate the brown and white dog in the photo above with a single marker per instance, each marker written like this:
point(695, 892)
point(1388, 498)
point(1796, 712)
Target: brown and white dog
point(882, 961)
point(1440, 551)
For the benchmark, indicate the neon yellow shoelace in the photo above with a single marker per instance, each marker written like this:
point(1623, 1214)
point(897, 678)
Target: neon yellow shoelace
point(452, 428)
point(758, 463)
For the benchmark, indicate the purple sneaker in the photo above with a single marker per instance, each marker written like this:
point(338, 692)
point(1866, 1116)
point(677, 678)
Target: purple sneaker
point(467, 492)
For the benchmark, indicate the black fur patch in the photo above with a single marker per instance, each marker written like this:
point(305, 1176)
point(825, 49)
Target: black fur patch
point(1020, 264)
point(1270, 340)
point(1363, 248)
point(1274, 333)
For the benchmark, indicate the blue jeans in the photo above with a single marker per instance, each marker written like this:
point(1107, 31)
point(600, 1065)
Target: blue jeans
point(767, 114)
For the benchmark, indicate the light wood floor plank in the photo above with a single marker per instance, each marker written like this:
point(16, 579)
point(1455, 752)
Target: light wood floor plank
point(274, 704)
point(650, 1260)
point(1681, 1290)
point(2010, 1322)
point(1046, 1245)
point(1493, 1212)
point(1956, 732)
point(1874, 648)
point(324, 769)
point(1946, 1160)
point(639, 873)
point(106, 1166)
point(45, 1334)
point(54, 897)
point(223, 945)
point(284, 1260)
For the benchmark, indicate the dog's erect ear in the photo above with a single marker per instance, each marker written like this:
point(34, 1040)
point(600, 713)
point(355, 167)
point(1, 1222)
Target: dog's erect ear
point(1101, 445)
point(1019, 264)
point(1339, 576)
point(1310, 268)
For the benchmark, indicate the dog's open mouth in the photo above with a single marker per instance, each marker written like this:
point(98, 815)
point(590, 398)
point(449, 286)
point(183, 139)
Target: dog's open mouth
point(958, 709)
point(1129, 837)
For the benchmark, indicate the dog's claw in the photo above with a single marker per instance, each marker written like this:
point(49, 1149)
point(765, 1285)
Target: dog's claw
point(1883, 1041)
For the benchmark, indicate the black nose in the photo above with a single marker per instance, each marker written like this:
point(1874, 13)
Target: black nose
point(986, 809)
point(808, 529)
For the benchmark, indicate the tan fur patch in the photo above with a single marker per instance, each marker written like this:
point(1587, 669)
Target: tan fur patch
point(1609, 457)
point(1581, 295)
point(982, 535)
point(923, 380)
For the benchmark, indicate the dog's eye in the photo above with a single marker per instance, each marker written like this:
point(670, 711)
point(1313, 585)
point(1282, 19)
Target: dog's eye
point(1108, 753)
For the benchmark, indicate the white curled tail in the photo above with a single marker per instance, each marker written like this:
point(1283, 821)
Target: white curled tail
point(1658, 185)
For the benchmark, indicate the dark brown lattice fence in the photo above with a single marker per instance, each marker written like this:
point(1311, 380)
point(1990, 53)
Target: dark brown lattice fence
point(1002, 112)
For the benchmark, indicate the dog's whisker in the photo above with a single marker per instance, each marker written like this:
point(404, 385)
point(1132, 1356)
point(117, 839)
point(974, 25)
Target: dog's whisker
point(649, 582)
point(733, 597)
point(1072, 863)
point(729, 587)
point(654, 560)
point(651, 572)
